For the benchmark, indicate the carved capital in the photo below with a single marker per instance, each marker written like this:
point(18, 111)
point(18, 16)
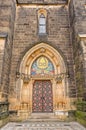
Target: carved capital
point(24, 77)
point(59, 78)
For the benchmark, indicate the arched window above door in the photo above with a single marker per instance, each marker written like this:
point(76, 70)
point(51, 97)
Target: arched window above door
point(42, 24)
point(42, 66)
point(42, 15)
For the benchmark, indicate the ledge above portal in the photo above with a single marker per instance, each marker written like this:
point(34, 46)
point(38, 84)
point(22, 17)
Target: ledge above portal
point(43, 2)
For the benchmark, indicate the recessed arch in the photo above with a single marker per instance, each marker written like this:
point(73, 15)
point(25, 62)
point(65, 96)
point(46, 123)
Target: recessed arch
point(52, 53)
point(31, 62)
point(42, 11)
point(59, 81)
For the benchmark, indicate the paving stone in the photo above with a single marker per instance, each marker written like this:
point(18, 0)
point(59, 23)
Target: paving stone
point(43, 126)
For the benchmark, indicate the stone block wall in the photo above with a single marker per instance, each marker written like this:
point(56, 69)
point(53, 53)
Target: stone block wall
point(77, 11)
point(7, 16)
point(19, 33)
point(26, 36)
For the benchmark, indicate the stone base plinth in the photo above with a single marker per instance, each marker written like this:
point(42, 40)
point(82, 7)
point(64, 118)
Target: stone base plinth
point(61, 114)
point(4, 121)
point(23, 114)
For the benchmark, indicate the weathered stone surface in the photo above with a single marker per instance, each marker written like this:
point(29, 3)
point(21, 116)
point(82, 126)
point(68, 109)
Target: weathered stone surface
point(42, 1)
point(78, 26)
point(64, 24)
point(7, 15)
point(26, 35)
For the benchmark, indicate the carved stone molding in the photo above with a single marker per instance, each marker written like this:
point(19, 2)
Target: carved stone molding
point(24, 77)
point(42, 50)
point(59, 78)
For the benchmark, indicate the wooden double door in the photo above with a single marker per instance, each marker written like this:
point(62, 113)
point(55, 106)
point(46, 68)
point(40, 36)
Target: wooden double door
point(42, 96)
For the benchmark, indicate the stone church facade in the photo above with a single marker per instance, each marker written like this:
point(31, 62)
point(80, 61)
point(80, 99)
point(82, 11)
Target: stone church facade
point(42, 55)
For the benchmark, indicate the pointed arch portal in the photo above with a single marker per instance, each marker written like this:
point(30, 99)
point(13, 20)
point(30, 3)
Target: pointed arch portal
point(43, 81)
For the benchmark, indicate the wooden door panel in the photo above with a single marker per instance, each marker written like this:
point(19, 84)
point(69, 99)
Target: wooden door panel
point(42, 96)
point(37, 97)
point(47, 97)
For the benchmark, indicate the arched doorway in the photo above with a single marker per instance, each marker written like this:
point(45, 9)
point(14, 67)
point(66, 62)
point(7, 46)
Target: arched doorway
point(42, 95)
point(43, 81)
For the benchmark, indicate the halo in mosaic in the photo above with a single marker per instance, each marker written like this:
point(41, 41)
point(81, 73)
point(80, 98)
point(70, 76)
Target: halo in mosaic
point(42, 65)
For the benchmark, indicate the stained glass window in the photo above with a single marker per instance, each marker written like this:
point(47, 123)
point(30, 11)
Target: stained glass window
point(42, 66)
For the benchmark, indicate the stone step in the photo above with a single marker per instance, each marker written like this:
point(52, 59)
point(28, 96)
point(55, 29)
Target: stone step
point(43, 117)
point(43, 120)
point(42, 114)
